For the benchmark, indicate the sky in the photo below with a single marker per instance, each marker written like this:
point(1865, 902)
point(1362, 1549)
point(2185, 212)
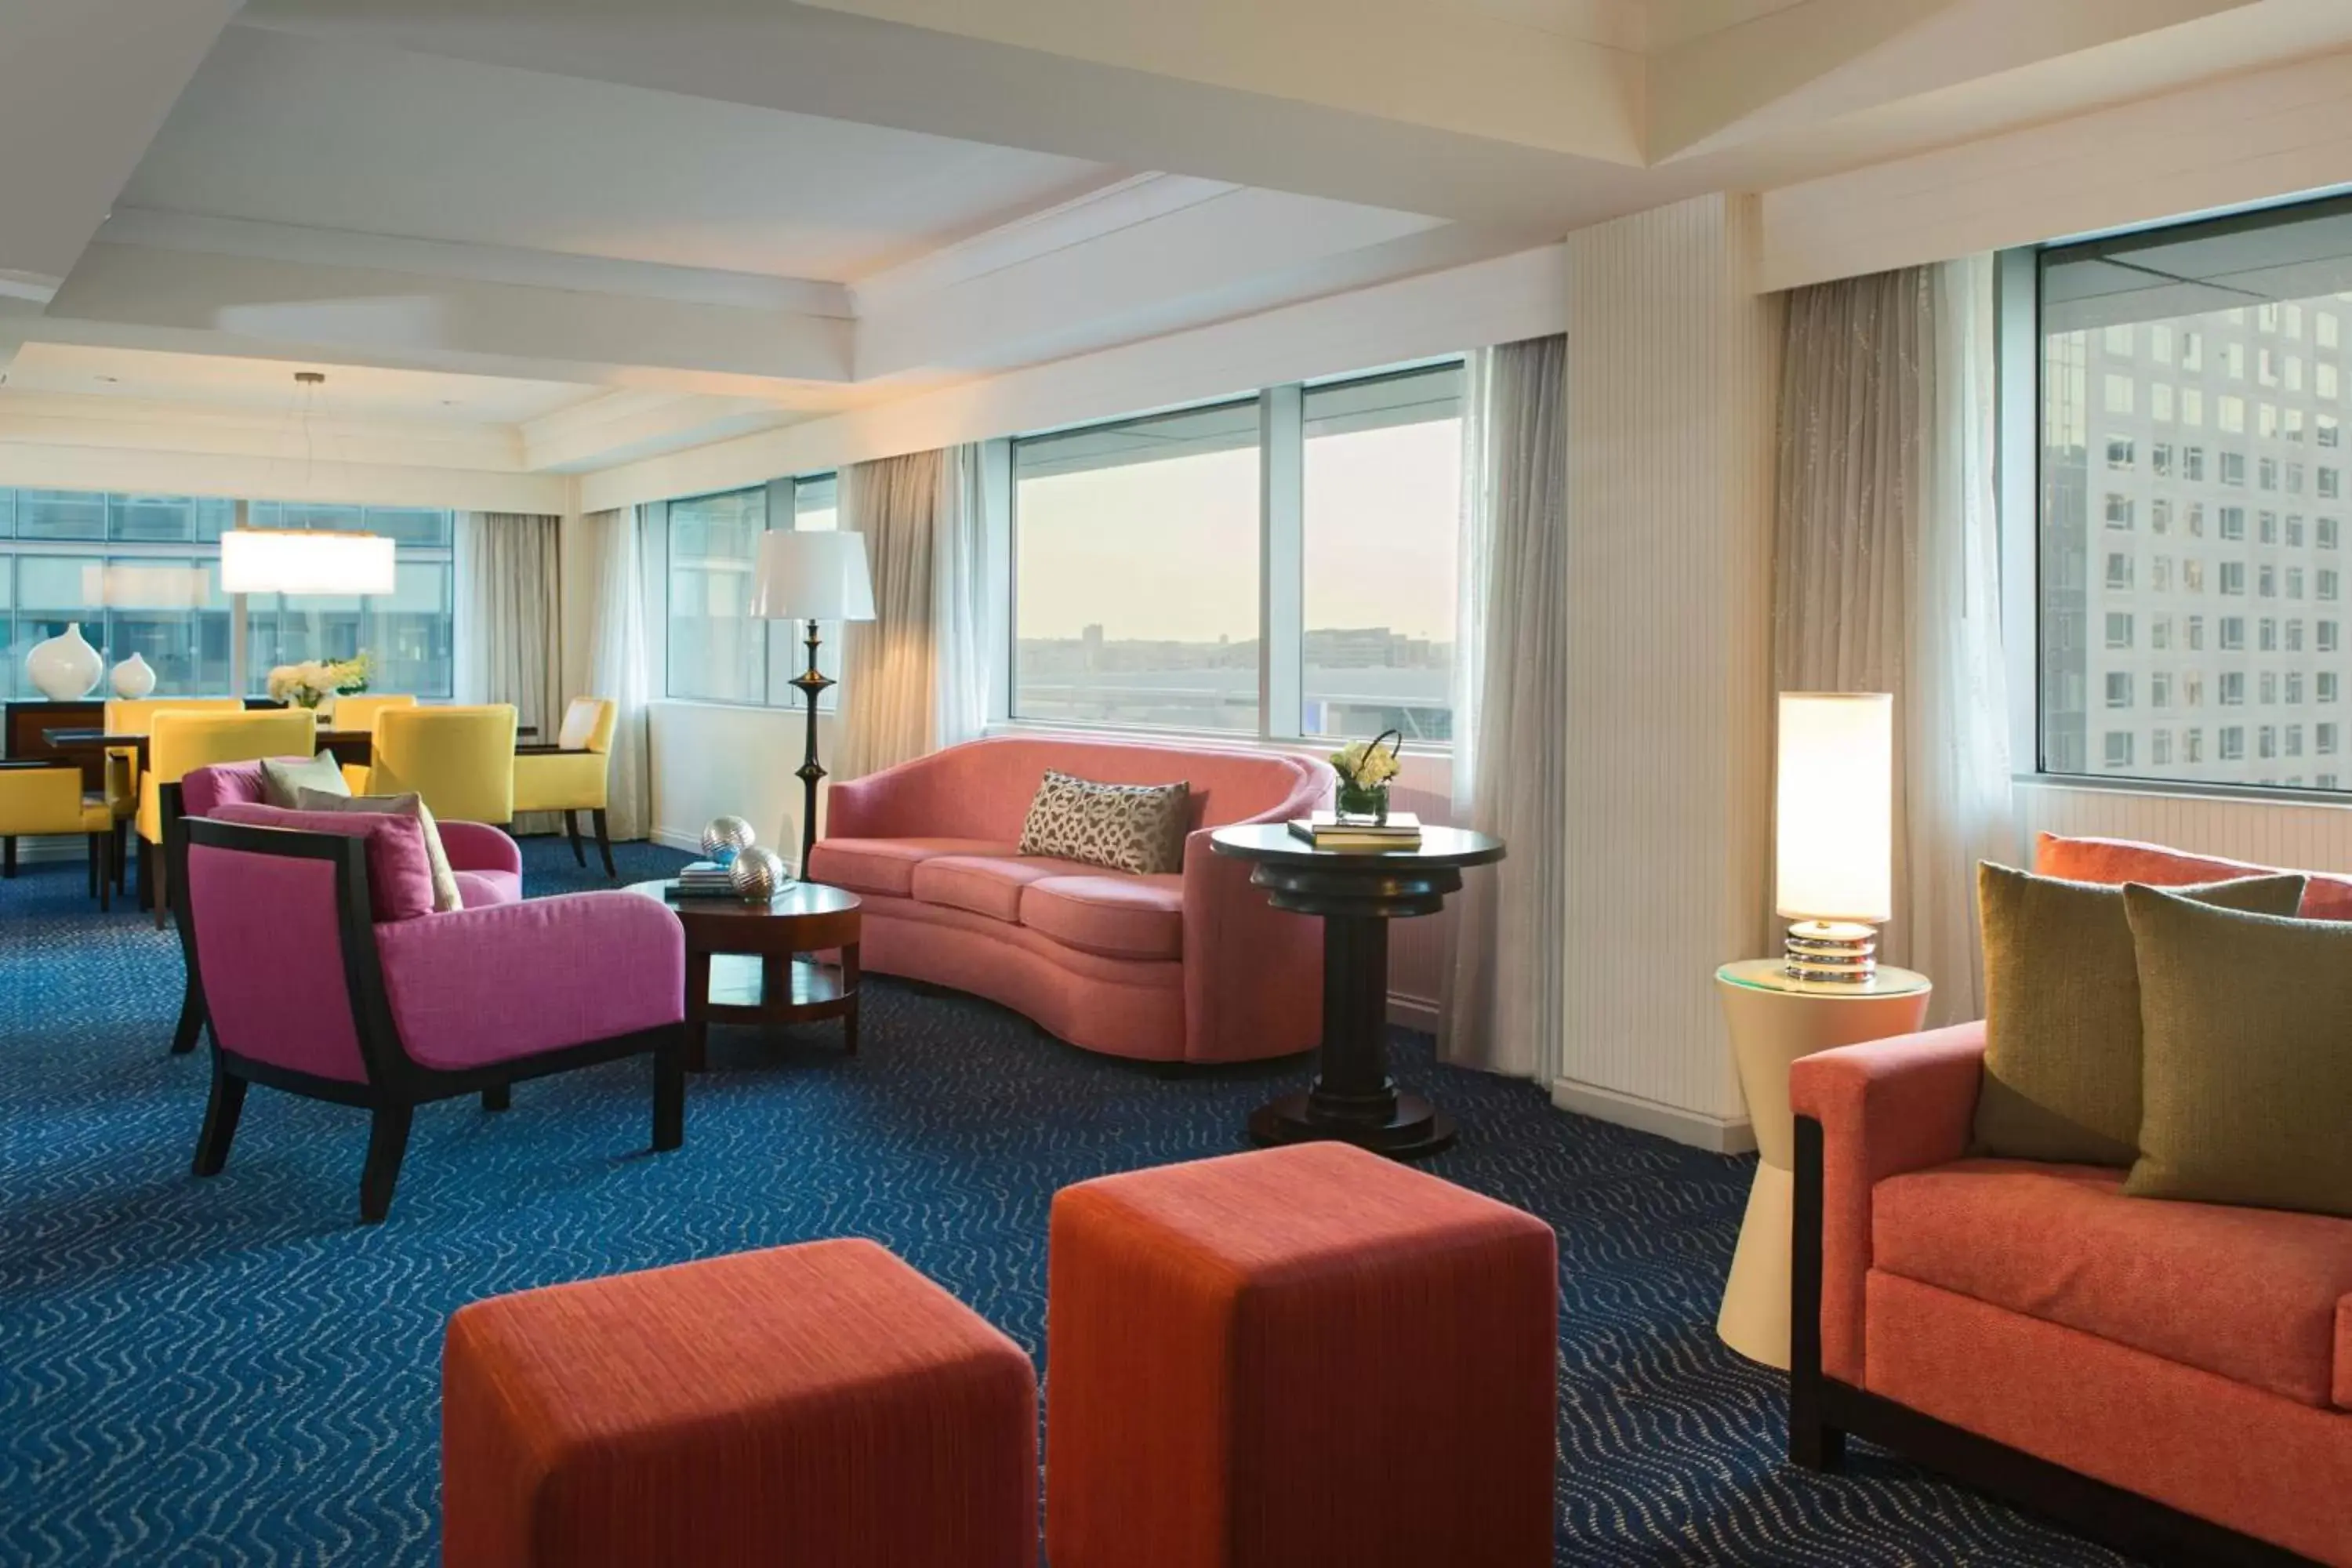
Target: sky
point(1169, 551)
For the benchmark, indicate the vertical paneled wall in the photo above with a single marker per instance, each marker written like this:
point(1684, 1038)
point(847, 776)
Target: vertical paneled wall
point(1672, 372)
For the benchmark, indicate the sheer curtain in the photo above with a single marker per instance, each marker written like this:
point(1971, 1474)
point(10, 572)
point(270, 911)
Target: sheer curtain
point(618, 665)
point(508, 615)
point(1504, 1006)
point(1886, 576)
point(963, 613)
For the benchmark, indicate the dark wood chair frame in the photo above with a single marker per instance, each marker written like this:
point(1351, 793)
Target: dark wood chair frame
point(396, 1083)
point(1824, 1411)
point(572, 815)
point(105, 869)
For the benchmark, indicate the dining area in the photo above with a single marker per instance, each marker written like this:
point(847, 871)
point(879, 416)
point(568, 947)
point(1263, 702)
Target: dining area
point(108, 771)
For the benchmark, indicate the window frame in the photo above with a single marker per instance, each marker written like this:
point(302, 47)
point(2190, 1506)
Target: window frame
point(787, 491)
point(2021, 481)
point(1282, 564)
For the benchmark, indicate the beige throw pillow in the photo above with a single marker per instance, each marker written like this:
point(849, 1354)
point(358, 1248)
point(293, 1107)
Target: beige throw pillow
point(2062, 1073)
point(2248, 1056)
point(445, 895)
point(1127, 827)
point(282, 781)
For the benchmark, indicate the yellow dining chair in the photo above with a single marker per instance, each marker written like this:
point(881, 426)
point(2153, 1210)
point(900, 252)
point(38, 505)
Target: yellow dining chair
point(38, 798)
point(571, 775)
point(178, 743)
point(136, 716)
point(460, 759)
point(362, 712)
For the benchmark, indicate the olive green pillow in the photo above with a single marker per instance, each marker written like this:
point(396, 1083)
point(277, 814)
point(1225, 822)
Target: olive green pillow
point(283, 780)
point(2062, 1073)
point(2247, 1067)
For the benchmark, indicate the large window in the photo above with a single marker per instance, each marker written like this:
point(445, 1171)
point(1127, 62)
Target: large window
point(717, 651)
point(1181, 570)
point(141, 573)
point(1136, 573)
point(2141, 337)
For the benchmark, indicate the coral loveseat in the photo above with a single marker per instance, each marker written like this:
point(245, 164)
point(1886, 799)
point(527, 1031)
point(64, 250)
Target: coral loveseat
point(1186, 966)
point(2174, 1377)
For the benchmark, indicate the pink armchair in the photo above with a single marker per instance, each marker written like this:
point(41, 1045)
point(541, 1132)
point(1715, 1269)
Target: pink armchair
point(315, 957)
point(1190, 966)
point(487, 863)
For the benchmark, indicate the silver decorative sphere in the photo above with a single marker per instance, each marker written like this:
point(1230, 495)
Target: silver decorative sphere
point(726, 838)
point(758, 875)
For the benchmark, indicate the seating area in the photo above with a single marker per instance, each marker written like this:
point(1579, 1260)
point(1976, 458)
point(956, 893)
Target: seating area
point(1481, 783)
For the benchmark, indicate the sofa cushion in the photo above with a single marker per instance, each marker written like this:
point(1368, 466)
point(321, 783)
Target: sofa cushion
point(2247, 1057)
point(2062, 1074)
point(400, 876)
point(987, 884)
point(1123, 916)
point(2252, 1295)
point(886, 865)
point(2116, 860)
point(481, 889)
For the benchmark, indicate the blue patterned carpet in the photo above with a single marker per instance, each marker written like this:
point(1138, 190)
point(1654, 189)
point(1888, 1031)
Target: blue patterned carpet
point(236, 1372)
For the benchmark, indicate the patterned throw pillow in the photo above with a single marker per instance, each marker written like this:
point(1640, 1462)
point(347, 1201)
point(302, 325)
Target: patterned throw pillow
point(1127, 827)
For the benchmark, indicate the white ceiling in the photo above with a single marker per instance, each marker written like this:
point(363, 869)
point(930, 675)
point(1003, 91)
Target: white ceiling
point(282, 128)
point(594, 229)
point(267, 387)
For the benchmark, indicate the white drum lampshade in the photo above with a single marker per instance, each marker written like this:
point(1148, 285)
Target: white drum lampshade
point(305, 560)
point(1834, 849)
point(813, 576)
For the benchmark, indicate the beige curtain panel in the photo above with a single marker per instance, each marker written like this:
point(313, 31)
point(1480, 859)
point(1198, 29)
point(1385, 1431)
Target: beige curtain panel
point(1886, 577)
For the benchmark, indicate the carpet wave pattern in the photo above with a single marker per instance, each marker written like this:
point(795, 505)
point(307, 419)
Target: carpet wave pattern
point(234, 1370)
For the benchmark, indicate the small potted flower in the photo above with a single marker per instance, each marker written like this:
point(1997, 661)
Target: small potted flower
point(1365, 768)
point(312, 682)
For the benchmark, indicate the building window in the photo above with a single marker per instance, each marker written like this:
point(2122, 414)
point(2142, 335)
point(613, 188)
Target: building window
point(2328, 583)
point(2266, 742)
point(2266, 687)
point(2266, 635)
point(2233, 522)
point(2295, 739)
point(1381, 513)
point(1136, 568)
point(2159, 747)
point(2119, 511)
point(2234, 743)
point(2323, 739)
point(2324, 686)
point(2119, 689)
point(2160, 632)
point(2326, 636)
point(2233, 466)
point(2196, 629)
point(2119, 452)
point(2119, 629)
point(1136, 547)
point(2233, 688)
point(2119, 570)
point(2119, 748)
point(717, 651)
point(2233, 578)
point(2193, 745)
point(2233, 634)
point(141, 575)
point(2325, 532)
point(2159, 689)
point(2293, 687)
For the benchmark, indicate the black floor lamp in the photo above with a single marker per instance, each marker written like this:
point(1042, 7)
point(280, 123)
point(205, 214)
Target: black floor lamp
point(813, 577)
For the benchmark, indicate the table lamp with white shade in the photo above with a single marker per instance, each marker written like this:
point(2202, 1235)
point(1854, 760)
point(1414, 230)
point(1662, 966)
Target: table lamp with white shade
point(811, 576)
point(1835, 880)
point(1834, 853)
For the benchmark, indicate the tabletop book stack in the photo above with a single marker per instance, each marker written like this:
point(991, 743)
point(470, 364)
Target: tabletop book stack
point(1330, 830)
point(704, 880)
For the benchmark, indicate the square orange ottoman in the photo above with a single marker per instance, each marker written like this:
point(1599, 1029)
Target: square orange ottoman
point(1309, 1355)
point(817, 1405)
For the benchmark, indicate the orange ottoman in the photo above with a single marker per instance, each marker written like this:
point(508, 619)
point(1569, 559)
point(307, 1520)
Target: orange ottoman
point(808, 1405)
point(1307, 1355)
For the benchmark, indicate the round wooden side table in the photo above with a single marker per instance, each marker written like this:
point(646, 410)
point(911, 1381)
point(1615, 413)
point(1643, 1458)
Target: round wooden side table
point(765, 970)
point(1774, 1019)
point(1357, 892)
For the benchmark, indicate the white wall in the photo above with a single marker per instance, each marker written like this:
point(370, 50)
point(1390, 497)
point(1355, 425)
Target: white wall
point(2315, 837)
point(711, 760)
point(1673, 367)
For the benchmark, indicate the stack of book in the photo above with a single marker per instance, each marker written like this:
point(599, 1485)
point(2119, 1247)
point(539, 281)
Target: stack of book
point(705, 880)
point(1328, 830)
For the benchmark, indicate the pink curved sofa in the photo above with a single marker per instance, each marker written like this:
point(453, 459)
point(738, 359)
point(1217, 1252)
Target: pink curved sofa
point(1193, 966)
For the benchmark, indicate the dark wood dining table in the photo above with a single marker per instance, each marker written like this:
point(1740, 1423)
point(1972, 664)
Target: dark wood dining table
point(356, 747)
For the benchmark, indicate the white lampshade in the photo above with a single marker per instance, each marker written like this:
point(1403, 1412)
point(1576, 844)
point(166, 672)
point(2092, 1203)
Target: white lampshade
point(304, 560)
point(813, 576)
point(1836, 807)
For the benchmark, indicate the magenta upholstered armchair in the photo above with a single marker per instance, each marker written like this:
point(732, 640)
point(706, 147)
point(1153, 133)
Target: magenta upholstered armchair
point(316, 959)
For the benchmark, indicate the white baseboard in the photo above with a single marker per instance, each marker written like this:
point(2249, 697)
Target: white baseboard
point(1412, 1012)
point(1716, 1134)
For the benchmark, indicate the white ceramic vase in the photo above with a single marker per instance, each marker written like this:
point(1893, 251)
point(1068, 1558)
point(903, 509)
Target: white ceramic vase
point(134, 677)
point(64, 667)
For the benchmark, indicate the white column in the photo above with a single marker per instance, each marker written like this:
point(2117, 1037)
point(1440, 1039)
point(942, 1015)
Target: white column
point(1672, 366)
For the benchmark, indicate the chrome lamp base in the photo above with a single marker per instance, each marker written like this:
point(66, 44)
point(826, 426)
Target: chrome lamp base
point(1837, 951)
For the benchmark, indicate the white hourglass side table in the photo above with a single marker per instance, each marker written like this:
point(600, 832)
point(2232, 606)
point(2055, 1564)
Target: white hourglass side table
point(1775, 1018)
